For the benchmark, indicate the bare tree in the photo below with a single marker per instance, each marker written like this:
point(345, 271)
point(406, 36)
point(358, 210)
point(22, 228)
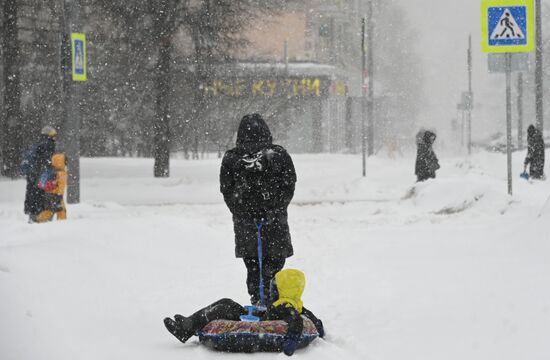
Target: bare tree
point(213, 29)
point(11, 121)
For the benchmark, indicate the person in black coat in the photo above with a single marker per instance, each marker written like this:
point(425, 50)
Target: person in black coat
point(42, 153)
point(257, 182)
point(426, 160)
point(535, 153)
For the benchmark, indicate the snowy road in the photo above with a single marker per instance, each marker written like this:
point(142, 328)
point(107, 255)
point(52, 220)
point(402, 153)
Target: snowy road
point(450, 269)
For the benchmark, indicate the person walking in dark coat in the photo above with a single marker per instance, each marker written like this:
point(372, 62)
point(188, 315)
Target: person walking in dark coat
point(535, 153)
point(426, 160)
point(257, 181)
point(40, 160)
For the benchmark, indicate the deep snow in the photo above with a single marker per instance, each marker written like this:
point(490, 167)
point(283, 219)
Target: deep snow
point(452, 268)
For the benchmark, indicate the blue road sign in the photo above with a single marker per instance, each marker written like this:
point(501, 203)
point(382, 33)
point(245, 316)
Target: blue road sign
point(78, 49)
point(79, 57)
point(507, 26)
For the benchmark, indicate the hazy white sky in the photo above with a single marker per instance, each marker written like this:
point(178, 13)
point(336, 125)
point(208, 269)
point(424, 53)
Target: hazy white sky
point(443, 27)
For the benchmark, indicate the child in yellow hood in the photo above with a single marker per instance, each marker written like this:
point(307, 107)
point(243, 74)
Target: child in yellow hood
point(286, 304)
point(54, 197)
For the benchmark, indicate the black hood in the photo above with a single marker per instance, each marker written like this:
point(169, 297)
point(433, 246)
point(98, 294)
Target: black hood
point(429, 137)
point(253, 133)
point(420, 136)
point(531, 130)
point(47, 143)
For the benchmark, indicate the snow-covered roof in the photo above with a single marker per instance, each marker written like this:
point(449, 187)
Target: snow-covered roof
point(280, 68)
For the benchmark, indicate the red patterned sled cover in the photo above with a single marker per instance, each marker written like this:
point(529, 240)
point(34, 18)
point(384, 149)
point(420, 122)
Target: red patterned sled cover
point(271, 327)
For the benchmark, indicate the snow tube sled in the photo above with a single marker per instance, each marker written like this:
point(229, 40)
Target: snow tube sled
point(248, 337)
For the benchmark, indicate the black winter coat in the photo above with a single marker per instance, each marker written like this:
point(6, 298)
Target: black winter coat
point(426, 160)
point(535, 153)
point(257, 180)
point(35, 197)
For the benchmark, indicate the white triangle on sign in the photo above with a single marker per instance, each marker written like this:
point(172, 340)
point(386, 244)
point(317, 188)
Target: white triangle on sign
point(507, 28)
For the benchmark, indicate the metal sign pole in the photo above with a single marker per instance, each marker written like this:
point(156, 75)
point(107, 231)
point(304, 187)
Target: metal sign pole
point(470, 95)
point(538, 67)
point(509, 118)
point(363, 132)
point(508, 26)
point(520, 110)
point(74, 70)
point(462, 127)
point(370, 69)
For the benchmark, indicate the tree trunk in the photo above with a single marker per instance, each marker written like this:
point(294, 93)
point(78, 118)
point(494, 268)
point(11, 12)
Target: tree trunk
point(317, 123)
point(11, 123)
point(161, 145)
point(200, 105)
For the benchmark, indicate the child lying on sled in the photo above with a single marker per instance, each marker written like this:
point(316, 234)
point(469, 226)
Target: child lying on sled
point(286, 304)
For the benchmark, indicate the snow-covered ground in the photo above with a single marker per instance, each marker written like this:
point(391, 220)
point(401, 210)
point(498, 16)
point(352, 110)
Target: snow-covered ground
point(452, 268)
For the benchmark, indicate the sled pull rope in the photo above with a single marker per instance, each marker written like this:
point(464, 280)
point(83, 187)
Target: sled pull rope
point(250, 316)
point(261, 263)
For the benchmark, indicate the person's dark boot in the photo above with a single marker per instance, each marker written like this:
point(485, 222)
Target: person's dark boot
point(182, 328)
point(179, 318)
point(254, 300)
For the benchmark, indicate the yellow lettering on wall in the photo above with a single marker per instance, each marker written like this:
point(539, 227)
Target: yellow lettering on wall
point(272, 85)
point(239, 87)
point(230, 89)
point(206, 88)
point(292, 87)
point(340, 88)
point(257, 87)
point(216, 87)
point(305, 84)
point(316, 87)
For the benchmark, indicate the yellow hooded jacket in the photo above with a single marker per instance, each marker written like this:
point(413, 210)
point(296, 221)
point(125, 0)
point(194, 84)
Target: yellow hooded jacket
point(58, 163)
point(290, 286)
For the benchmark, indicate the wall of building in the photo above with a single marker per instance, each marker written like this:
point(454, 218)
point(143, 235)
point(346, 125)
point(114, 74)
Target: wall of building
point(268, 38)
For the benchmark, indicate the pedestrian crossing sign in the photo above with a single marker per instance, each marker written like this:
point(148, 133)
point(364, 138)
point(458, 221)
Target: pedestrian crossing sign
point(78, 56)
point(508, 26)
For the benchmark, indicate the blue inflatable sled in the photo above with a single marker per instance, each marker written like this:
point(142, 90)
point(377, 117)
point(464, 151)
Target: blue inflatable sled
point(249, 336)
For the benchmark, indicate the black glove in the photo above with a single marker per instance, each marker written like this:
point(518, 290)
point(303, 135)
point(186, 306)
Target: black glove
point(290, 344)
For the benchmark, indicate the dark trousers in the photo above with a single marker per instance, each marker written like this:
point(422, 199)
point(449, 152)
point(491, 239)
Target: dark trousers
point(34, 198)
point(224, 309)
point(271, 266)
point(536, 169)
